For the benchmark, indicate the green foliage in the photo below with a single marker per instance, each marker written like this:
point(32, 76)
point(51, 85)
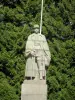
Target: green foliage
point(7, 92)
point(16, 20)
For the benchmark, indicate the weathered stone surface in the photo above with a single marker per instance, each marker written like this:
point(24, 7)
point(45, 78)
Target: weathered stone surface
point(34, 82)
point(34, 90)
point(38, 55)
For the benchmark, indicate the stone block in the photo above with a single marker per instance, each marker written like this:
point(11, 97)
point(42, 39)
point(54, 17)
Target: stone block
point(34, 90)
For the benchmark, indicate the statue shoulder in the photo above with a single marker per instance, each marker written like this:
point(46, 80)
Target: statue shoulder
point(30, 36)
point(43, 37)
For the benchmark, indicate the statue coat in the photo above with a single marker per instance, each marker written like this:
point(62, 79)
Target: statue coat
point(37, 53)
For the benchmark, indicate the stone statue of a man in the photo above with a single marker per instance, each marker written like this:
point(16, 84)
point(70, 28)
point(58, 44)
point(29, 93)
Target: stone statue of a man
point(38, 55)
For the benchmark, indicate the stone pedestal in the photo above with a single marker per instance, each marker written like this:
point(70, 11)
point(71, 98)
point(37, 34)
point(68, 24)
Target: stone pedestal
point(34, 90)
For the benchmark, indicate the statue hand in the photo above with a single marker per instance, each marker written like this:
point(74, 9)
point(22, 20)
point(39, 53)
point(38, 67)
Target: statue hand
point(33, 53)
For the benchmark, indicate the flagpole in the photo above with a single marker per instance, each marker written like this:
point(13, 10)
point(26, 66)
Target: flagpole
point(41, 17)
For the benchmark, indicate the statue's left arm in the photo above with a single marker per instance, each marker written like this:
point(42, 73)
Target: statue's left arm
point(46, 52)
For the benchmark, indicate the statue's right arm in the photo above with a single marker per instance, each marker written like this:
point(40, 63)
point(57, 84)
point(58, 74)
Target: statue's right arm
point(29, 51)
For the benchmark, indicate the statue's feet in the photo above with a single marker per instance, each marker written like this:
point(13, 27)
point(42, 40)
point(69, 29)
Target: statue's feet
point(36, 78)
point(42, 78)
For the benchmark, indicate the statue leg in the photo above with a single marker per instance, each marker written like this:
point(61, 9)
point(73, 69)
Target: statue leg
point(41, 77)
point(37, 75)
point(36, 71)
point(41, 69)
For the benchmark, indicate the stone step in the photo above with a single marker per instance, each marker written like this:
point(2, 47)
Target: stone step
point(34, 82)
point(34, 90)
point(38, 89)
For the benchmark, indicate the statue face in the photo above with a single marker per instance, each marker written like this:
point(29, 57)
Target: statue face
point(36, 30)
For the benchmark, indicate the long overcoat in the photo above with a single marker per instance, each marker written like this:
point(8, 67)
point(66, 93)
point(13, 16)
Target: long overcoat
point(37, 43)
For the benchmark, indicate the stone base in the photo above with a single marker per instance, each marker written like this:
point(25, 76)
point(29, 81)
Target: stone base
point(34, 90)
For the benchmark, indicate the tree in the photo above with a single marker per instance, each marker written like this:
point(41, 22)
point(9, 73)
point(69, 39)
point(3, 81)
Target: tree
point(16, 20)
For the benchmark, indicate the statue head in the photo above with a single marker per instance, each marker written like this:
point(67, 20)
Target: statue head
point(36, 28)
